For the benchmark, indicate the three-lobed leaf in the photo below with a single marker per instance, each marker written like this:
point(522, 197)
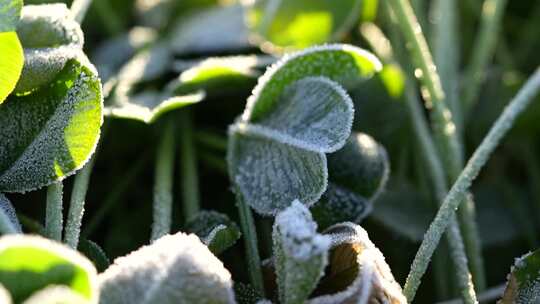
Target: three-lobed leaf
point(29, 264)
point(298, 112)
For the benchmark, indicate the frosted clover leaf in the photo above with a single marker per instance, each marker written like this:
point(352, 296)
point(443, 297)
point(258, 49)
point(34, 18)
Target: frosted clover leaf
point(298, 112)
point(358, 173)
point(50, 37)
point(300, 253)
point(174, 267)
point(524, 280)
point(52, 132)
point(29, 265)
point(215, 230)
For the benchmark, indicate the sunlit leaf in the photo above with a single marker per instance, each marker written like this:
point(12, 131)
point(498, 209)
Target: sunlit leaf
point(219, 76)
point(7, 210)
point(296, 114)
point(11, 63)
point(30, 263)
point(174, 267)
point(215, 230)
point(214, 30)
point(50, 133)
point(357, 271)
point(50, 37)
point(300, 253)
point(523, 285)
point(301, 23)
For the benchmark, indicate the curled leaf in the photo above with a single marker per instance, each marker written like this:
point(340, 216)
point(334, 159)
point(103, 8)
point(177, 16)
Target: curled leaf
point(296, 24)
point(297, 113)
point(30, 263)
point(357, 271)
point(174, 267)
point(300, 253)
point(50, 37)
point(94, 253)
point(52, 132)
point(524, 280)
point(215, 230)
point(7, 210)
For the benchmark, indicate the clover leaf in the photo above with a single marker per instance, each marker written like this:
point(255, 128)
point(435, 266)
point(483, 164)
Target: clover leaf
point(12, 59)
point(524, 280)
point(215, 230)
point(298, 112)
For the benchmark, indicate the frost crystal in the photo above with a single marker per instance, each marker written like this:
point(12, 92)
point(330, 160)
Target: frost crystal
point(174, 267)
point(300, 253)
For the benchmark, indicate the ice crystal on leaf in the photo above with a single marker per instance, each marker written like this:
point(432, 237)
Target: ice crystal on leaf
point(300, 253)
point(215, 230)
point(524, 280)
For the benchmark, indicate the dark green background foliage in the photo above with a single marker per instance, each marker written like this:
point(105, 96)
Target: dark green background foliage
point(507, 194)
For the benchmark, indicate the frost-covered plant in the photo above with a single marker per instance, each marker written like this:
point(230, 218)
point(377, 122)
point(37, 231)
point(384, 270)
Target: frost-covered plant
point(51, 126)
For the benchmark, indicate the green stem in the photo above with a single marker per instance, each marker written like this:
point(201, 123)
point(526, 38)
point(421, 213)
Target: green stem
point(188, 163)
point(446, 54)
point(453, 235)
point(76, 205)
point(163, 178)
point(212, 140)
point(461, 186)
point(250, 241)
point(444, 128)
point(79, 9)
point(483, 50)
point(53, 212)
point(111, 21)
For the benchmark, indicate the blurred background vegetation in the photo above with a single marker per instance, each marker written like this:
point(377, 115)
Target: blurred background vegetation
point(119, 203)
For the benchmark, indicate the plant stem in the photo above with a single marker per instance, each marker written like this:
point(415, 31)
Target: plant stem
point(163, 178)
point(53, 212)
point(76, 205)
point(445, 44)
point(111, 21)
point(188, 163)
point(79, 9)
point(492, 13)
point(461, 186)
point(455, 242)
point(444, 128)
point(250, 241)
